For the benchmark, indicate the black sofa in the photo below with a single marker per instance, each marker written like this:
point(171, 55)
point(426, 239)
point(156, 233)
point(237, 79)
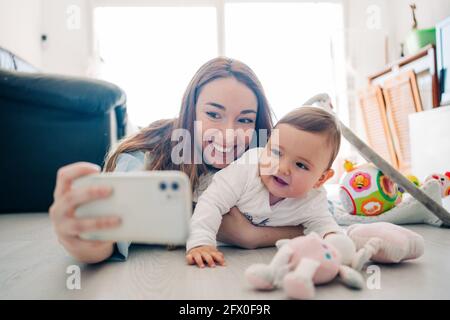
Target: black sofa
point(48, 121)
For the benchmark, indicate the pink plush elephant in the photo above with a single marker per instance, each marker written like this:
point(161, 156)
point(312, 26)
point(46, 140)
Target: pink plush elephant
point(301, 263)
point(304, 261)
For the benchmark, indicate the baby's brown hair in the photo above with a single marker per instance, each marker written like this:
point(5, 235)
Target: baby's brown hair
point(316, 120)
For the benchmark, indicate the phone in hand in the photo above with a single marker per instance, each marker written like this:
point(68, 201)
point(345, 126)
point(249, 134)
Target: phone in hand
point(155, 206)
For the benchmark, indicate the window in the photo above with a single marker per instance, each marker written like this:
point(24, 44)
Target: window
point(295, 48)
point(289, 46)
point(152, 53)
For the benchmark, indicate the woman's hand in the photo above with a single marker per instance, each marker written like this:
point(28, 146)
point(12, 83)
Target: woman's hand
point(62, 214)
point(208, 254)
point(237, 230)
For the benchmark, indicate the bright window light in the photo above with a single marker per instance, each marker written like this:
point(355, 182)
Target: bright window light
point(152, 53)
point(296, 49)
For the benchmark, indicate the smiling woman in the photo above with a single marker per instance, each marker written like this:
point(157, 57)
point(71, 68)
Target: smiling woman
point(227, 111)
point(225, 95)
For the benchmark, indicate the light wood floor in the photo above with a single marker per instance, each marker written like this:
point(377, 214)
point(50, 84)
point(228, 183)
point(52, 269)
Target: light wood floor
point(33, 266)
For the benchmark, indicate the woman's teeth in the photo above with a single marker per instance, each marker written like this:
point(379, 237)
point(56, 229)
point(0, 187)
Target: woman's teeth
point(221, 149)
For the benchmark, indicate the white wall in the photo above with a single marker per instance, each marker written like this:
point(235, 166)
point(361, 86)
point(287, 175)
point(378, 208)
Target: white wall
point(428, 13)
point(366, 43)
point(68, 50)
point(372, 45)
point(367, 26)
point(20, 28)
point(67, 26)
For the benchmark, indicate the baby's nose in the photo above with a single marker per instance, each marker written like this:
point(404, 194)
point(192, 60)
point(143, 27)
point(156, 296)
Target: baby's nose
point(284, 168)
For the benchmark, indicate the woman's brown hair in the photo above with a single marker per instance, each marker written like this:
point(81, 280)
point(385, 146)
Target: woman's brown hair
point(155, 139)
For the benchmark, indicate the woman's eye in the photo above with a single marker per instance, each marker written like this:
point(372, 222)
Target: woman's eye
point(301, 166)
point(275, 152)
point(213, 115)
point(246, 120)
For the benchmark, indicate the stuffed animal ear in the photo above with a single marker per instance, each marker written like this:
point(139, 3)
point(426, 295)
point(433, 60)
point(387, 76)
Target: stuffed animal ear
point(350, 277)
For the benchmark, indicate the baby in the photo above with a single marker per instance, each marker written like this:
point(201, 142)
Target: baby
point(279, 185)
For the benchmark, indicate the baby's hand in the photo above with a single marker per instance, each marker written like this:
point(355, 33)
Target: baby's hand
point(208, 254)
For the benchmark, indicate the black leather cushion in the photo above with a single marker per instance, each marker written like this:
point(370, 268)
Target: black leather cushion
point(47, 121)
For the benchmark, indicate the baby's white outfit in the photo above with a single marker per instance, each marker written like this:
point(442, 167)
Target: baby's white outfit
point(240, 185)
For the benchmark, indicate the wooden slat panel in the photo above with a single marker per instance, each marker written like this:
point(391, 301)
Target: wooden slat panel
point(402, 98)
point(378, 134)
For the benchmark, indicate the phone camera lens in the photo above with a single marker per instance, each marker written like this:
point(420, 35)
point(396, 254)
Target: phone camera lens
point(175, 186)
point(162, 186)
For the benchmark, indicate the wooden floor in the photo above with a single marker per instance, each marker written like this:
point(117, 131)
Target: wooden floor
point(33, 266)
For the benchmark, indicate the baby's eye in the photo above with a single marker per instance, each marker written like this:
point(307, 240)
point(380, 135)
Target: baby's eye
point(328, 256)
point(301, 166)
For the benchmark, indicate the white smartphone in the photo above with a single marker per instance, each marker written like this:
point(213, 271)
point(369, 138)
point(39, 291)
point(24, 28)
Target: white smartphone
point(155, 206)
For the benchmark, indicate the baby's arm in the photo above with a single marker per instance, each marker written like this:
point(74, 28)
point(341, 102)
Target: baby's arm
point(322, 222)
point(318, 218)
point(221, 195)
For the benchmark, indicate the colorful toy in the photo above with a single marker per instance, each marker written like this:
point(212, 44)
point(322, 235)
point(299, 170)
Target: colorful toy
point(366, 191)
point(408, 211)
point(414, 180)
point(305, 261)
point(323, 100)
point(444, 181)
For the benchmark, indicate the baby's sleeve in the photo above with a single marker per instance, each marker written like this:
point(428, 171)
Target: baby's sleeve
point(319, 218)
point(221, 195)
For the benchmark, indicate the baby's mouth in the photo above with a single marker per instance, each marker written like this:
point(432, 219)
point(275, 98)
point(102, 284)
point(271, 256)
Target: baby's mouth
point(280, 181)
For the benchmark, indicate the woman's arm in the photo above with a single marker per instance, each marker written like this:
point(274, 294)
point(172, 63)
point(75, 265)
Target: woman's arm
point(237, 230)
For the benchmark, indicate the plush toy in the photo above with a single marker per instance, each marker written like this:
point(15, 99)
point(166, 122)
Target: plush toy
point(409, 211)
point(304, 261)
point(444, 181)
point(384, 242)
point(366, 191)
point(301, 263)
point(414, 180)
point(323, 100)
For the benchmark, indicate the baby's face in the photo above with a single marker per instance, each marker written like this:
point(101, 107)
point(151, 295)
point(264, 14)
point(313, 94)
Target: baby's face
point(294, 162)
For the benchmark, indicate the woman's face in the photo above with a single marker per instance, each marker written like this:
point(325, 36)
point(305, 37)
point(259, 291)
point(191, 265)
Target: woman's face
point(225, 114)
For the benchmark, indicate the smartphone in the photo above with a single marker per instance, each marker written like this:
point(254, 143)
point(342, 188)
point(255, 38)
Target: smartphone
point(155, 206)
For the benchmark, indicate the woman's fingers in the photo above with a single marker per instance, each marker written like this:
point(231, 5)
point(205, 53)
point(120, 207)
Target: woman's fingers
point(67, 174)
point(74, 227)
point(74, 198)
point(75, 243)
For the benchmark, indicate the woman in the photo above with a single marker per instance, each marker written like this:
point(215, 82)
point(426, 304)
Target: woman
point(224, 96)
